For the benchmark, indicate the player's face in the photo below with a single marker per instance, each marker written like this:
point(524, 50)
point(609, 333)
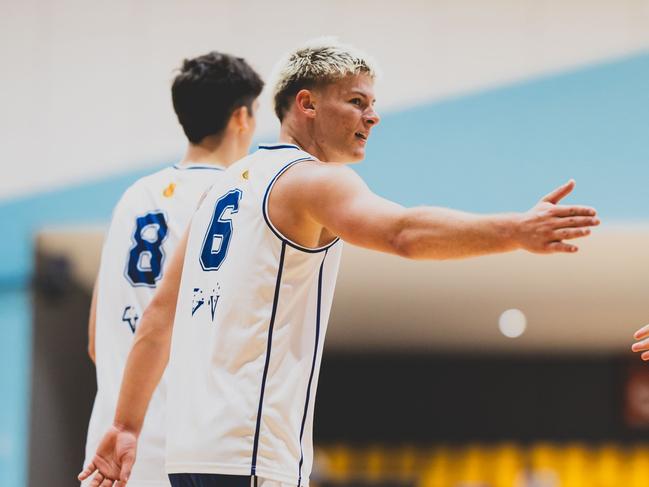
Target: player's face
point(345, 117)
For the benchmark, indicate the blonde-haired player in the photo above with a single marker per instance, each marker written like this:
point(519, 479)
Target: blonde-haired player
point(214, 97)
point(263, 249)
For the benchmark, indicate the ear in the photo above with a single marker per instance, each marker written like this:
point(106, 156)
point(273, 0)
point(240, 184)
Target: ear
point(240, 119)
point(305, 101)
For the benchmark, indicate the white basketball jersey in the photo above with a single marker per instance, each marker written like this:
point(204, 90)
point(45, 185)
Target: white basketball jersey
point(146, 226)
point(249, 332)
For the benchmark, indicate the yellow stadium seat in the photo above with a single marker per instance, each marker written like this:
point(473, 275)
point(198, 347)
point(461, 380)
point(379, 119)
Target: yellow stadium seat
point(405, 462)
point(339, 462)
point(638, 467)
point(607, 467)
point(472, 465)
point(507, 466)
point(437, 471)
point(576, 467)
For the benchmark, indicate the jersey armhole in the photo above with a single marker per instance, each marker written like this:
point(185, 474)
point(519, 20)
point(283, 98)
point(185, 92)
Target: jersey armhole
point(279, 234)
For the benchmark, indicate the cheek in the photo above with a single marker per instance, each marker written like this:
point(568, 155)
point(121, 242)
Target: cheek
point(346, 120)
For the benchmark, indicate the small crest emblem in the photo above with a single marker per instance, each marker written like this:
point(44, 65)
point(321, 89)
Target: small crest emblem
point(169, 190)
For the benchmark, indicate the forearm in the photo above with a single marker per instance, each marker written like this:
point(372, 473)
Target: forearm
point(92, 323)
point(144, 368)
point(440, 233)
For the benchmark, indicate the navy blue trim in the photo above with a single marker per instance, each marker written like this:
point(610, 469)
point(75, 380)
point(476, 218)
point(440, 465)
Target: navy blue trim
point(188, 167)
point(278, 283)
point(208, 480)
point(270, 225)
point(315, 355)
point(278, 146)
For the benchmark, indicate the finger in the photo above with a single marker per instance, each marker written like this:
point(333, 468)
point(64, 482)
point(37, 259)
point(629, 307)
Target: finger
point(641, 346)
point(570, 233)
point(96, 480)
point(645, 356)
point(87, 472)
point(562, 210)
point(576, 221)
point(127, 465)
point(642, 333)
point(561, 192)
point(107, 483)
point(561, 247)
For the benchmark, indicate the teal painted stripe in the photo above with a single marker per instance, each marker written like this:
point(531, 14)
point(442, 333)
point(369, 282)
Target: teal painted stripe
point(15, 319)
point(501, 149)
point(81, 204)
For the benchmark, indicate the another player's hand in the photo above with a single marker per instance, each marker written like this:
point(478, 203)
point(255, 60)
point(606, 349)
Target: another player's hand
point(113, 459)
point(544, 228)
point(642, 345)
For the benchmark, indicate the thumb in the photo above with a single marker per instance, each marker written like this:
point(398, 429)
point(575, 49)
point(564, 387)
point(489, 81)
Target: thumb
point(128, 459)
point(561, 192)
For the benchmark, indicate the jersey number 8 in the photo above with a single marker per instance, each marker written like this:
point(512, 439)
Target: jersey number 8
point(145, 257)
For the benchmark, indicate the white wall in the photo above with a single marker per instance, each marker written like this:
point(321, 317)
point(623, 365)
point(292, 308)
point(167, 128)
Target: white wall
point(85, 85)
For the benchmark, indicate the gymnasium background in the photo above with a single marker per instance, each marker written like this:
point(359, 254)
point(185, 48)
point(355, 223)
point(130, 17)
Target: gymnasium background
point(486, 107)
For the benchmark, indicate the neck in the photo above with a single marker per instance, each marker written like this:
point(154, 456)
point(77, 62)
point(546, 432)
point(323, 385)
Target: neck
point(301, 135)
point(221, 152)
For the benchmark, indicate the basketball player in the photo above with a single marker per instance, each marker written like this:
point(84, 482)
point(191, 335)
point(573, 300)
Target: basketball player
point(254, 280)
point(215, 98)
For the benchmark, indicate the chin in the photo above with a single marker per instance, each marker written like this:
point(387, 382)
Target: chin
point(355, 156)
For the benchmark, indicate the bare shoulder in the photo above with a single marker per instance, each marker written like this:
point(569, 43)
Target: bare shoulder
point(316, 176)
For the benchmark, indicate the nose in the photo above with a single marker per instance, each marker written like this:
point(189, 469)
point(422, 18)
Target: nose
point(371, 117)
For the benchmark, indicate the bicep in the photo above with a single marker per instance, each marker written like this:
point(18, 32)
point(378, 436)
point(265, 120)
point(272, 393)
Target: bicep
point(349, 209)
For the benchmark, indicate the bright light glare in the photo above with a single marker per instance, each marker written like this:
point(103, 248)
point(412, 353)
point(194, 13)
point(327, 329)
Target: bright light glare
point(512, 323)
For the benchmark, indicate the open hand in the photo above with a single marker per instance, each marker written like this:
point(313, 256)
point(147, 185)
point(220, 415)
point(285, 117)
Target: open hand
point(113, 459)
point(544, 228)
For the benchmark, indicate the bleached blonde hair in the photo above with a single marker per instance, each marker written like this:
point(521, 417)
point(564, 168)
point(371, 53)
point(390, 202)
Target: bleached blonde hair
point(317, 62)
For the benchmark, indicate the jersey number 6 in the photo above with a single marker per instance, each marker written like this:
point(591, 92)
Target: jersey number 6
point(219, 233)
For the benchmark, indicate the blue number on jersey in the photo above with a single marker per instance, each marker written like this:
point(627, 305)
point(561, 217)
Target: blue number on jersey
point(219, 233)
point(145, 257)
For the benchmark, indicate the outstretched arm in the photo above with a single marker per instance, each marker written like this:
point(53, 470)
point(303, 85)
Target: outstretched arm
point(146, 362)
point(335, 197)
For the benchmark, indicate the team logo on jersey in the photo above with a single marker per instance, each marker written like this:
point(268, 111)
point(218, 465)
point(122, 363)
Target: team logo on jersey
point(169, 190)
point(245, 174)
point(130, 317)
point(206, 300)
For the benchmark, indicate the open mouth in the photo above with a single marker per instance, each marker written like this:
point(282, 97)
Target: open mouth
point(361, 135)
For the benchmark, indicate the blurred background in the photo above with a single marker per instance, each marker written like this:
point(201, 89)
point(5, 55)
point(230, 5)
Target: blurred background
point(507, 371)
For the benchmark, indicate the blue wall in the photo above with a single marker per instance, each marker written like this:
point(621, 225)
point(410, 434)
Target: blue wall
point(497, 150)
point(15, 317)
point(502, 149)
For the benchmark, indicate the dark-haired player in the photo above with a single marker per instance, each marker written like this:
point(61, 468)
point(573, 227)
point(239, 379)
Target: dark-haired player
point(215, 98)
